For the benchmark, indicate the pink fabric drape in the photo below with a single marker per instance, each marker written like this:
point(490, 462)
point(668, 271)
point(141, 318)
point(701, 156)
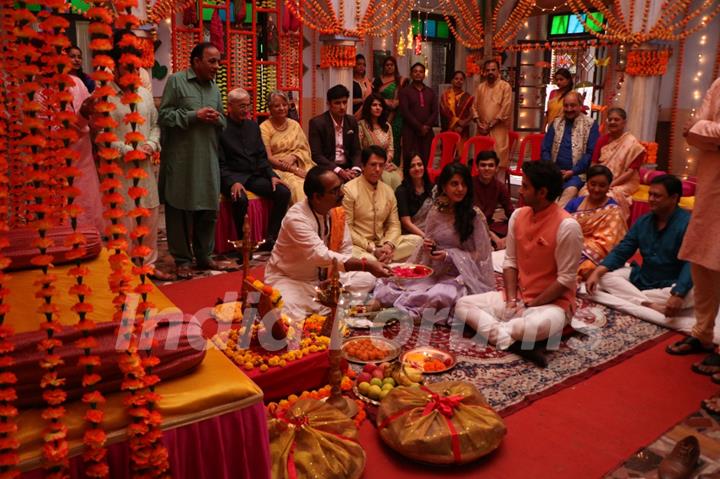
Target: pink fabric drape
point(231, 446)
point(259, 211)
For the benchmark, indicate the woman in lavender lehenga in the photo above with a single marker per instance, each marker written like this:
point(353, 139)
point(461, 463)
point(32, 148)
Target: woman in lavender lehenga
point(457, 248)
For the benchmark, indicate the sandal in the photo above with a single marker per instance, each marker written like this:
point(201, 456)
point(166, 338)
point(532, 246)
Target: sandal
point(688, 345)
point(708, 366)
point(159, 275)
point(711, 405)
point(184, 271)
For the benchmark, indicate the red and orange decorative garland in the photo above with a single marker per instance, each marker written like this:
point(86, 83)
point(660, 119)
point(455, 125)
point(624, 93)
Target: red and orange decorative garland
point(647, 62)
point(337, 56)
point(9, 458)
point(466, 24)
point(568, 45)
point(651, 150)
point(674, 104)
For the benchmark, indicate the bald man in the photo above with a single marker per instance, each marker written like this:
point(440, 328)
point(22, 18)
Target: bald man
point(569, 142)
point(244, 166)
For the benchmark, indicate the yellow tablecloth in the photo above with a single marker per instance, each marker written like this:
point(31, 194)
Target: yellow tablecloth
point(215, 387)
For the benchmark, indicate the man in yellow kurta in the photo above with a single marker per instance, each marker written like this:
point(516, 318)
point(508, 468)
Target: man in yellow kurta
point(491, 110)
point(372, 216)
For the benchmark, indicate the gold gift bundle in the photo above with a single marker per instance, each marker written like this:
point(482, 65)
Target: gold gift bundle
point(441, 423)
point(314, 440)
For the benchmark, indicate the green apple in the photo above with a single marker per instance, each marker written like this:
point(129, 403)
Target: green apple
point(374, 391)
point(389, 381)
point(376, 382)
point(387, 387)
point(363, 387)
point(384, 393)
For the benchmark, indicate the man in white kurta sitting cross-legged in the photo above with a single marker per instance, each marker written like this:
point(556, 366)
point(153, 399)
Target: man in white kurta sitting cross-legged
point(312, 235)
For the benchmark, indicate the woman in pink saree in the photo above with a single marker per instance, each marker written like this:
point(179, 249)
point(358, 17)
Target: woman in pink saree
point(457, 248)
point(601, 219)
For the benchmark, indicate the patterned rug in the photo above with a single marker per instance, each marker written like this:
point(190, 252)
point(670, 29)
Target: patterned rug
point(704, 426)
point(602, 337)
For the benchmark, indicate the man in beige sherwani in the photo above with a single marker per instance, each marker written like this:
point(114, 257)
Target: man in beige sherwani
point(701, 246)
point(491, 111)
point(372, 216)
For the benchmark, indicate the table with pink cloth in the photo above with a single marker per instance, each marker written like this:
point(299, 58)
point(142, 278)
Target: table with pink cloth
point(225, 228)
point(213, 426)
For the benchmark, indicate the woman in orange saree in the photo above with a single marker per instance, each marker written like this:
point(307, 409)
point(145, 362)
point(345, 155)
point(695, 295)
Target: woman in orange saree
point(600, 217)
point(456, 109)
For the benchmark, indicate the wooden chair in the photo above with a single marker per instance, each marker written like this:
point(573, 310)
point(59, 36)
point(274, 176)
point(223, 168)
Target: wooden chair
point(533, 142)
point(450, 140)
point(478, 143)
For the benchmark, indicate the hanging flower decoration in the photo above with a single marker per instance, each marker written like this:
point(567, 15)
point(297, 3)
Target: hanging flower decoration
point(381, 18)
point(672, 24)
point(647, 62)
point(162, 9)
point(337, 56)
point(466, 22)
point(151, 455)
point(9, 458)
point(506, 33)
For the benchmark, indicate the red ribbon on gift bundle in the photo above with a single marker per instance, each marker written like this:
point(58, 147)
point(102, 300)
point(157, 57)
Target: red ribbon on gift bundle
point(446, 406)
point(300, 421)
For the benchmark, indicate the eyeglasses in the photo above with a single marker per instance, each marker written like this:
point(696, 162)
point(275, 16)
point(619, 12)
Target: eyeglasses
point(244, 106)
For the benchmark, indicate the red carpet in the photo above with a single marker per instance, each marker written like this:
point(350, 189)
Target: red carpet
point(582, 431)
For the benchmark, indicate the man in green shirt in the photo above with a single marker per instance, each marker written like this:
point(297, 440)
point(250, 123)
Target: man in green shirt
point(191, 118)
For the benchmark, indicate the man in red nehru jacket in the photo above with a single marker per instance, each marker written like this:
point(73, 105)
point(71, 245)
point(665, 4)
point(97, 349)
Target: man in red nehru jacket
point(541, 260)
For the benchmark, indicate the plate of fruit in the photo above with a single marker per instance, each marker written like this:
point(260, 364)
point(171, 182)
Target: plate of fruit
point(410, 271)
point(370, 349)
point(376, 381)
point(429, 360)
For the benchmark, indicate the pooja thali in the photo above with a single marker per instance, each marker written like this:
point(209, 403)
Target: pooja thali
point(357, 318)
point(429, 360)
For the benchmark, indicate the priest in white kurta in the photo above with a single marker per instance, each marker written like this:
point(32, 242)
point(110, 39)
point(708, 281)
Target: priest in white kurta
point(304, 252)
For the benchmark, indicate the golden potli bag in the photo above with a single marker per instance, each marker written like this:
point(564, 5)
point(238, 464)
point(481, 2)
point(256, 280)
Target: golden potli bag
point(440, 423)
point(314, 440)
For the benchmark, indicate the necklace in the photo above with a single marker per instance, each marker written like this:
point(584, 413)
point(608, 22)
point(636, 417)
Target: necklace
point(280, 128)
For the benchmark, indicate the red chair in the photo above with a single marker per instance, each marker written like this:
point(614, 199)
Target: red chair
point(479, 143)
point(513, 140)
point(449, 140)
point(534, 140)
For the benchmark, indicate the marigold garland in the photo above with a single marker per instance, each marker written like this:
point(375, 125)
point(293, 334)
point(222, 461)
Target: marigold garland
point(337, 56)
point(647, 62)
point(8, 444)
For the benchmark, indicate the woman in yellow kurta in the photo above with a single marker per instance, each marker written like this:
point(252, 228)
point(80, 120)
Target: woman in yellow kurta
point(287, 146)
point(564, 82)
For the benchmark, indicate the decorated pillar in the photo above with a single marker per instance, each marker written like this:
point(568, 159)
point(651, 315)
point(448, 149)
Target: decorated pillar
point(641, 89)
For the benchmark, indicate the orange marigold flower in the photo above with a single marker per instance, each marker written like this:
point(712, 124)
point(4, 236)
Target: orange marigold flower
point(134, 137)
point(94, 437)
point(102, 76)
point(51, 379)
point(76, 254)
point(105, 91)
point(55, 451)
point(10, 459)
point(86, 343)
point(101, 44)
point(94, 397)
point(135, 212)
point(94, 415)
point(54, 396)
point(100, 29)
point(90, 379)
point(140, 251)
point(53, 413)
point(109, 183)
point(140, 231)
point(99, 469)
point(7, 378)
point(86, 361)
point(130, 98)
point(79, 271)
point(6, 347)
point(134, 155)
point(7, 443)
point(51, 361)
point(137, 173)
point(104, 122)
point(134, 117)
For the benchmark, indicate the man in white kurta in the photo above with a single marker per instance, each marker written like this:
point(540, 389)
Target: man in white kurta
point(303, 254)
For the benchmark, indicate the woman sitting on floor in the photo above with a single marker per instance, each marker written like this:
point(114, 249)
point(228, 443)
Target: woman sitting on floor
point(287, 146)
point(601, 219)
point(457, 248)
point(375, 130)
point(623, 154)
point(414, 196)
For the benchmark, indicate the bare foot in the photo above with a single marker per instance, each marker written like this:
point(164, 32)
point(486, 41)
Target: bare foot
point(660, 308)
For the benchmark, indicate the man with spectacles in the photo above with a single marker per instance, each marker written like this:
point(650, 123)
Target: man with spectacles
point(244, 167)
point(313, 234)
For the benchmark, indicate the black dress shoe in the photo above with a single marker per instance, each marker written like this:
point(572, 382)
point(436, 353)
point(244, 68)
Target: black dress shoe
point(682, 460)
point(536, 355)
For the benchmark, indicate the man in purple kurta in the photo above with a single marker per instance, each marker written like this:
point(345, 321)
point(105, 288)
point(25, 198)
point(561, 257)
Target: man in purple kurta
point(419, 108)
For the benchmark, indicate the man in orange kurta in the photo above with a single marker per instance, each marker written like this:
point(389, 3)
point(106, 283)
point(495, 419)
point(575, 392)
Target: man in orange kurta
point(492, 108)
point(541, 261)
point(700, 245)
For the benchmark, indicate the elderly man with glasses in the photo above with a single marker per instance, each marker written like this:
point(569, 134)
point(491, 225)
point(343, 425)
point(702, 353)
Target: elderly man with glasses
point(244, 166)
